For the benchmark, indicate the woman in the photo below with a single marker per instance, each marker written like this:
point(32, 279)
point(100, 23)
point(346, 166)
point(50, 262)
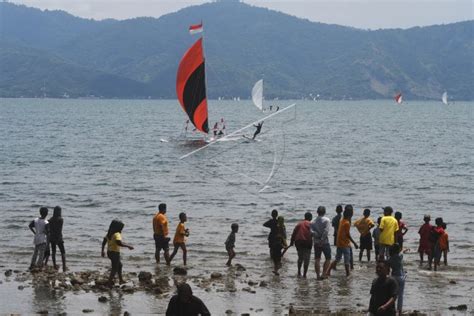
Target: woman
point(113, 239)
point(279, 244)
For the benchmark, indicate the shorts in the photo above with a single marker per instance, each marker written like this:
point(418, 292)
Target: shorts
point(304, 254)
point(366, 242)
point(322, 249)
point(161, 242)
point(384, 250)
point(346, 252)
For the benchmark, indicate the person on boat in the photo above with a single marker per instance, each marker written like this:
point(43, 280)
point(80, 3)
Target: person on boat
point(160, 234)
point(222, 130)
point(259, 128)
point(215, 128)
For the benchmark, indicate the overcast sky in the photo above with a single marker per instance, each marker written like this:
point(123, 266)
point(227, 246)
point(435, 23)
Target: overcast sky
point(367, 14)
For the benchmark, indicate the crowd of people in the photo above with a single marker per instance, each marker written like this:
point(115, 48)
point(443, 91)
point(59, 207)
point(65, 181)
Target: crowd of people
point(385, 236)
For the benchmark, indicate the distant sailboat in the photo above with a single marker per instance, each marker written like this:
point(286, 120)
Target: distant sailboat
point(257, 95)
point(399, 98)
point(444, 98)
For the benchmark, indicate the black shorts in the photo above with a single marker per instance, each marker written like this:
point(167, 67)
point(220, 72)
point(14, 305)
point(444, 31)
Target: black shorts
point(161, 242)
point(366, 242)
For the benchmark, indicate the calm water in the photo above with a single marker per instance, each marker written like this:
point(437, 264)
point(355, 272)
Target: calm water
point(103, 159)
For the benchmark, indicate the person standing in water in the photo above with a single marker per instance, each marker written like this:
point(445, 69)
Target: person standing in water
point(40, 229)
point(113, 240)
point(259, 128)
point(278, 244)
point(180, 238)
point(272, 224)
point(303, 240)
point(160, 234)
point(335, 222)
point(425, 244)
point(388, 228)
point(230, 243)
point(320, 230)
point(56, 237)
point(364, 225)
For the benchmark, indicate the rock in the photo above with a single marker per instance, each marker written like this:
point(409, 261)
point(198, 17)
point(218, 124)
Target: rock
point(144, 276)
point(239, 267)
point(87, 310)
point(216, 275)
point(126, 313)
point(252, 283)
point(263, 284)
point(180, 271)
point(16, 271)
point(8, 272)
point(245, 314)
point(43, 312)
point(157, 291)
point(452, 282)
point(103, 299)
point(229, 312)
point(127, 289)
point(77, 280)
point(461, 307)
point(21, 287)
point(291, 311)
point(101, 282)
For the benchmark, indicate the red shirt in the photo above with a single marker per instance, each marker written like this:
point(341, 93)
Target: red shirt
point(302, 232)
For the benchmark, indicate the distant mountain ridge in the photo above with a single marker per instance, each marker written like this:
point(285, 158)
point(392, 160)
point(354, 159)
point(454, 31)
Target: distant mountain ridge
point(55, 53)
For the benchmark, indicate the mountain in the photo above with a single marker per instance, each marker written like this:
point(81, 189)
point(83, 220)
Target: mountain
point(139, 57)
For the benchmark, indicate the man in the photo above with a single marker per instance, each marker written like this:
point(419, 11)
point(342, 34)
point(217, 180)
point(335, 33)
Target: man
point(302, 239)
point(186, 304)
point(364, 225)
point(272, 224)
point(320, 230)
point(160, 234)
point(336, 220)
point(343, 243)
point(259, 128)
point(40, 228)
point(383, 292)
point(388, 229)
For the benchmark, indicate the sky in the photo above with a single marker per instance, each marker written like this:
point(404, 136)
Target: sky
point(365, 14)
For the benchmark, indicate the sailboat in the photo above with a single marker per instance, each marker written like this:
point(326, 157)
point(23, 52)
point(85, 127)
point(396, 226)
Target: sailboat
point(399, 98)
point(444, 98)
point(257, 95)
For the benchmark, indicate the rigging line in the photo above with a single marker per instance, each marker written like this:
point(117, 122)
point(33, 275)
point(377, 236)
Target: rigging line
point(237, 131)
point(238, 142)
point(250, 178)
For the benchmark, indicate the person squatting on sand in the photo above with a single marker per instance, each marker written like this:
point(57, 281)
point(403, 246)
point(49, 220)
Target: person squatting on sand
point(320, 229)
point(40, 229)
point(184, 303)
point(56, 237)
point(113, 239)
point(383, 292)
point(272, 224)
point(230, 243)
point(179, 240)
point(388, 228)
point(160, 234)
point(344, 240)
point(302, 239)
point(364, 225)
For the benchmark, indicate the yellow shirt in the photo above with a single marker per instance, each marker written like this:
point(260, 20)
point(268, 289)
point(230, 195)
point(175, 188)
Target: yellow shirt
point(112, 243)
point(179, 236)
point(343, 234)
point(363, 225)
point(160, 225)
point(389, 226)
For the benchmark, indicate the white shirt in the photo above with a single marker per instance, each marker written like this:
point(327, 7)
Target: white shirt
point(40, 228)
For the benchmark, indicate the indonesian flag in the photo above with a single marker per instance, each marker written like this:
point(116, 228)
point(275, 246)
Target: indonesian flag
point(194, 29)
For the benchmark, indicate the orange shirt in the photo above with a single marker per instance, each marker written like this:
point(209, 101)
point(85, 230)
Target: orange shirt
point(364, 225)
point(343, 234)
point(160, 225)
point(443, 241)
point(180, 234)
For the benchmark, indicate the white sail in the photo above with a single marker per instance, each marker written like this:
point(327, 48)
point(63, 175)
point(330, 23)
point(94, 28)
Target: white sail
point(444, 98)
point(257, 94)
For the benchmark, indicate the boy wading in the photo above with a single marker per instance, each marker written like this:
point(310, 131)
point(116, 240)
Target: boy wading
point(39, 227)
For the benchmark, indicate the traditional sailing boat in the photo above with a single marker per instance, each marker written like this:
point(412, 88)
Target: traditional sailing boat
point(399, 98)
point(444, 98)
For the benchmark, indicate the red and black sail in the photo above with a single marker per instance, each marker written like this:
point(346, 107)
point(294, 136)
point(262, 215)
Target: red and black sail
point(191, 86)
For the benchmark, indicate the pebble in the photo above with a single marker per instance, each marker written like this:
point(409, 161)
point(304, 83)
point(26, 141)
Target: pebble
point(126, 313)
point(452, 282)
point(21, 287)
point(87, 310)
point(180, 271)
point(103, 299)
point(144, 276)
point(8, 272)
point(216, 275)
point(229, 312)
point(461, 307)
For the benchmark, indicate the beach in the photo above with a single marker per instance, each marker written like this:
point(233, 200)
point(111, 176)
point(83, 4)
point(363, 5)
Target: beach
point(103, 159)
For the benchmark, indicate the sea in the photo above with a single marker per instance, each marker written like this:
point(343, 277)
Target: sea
point(118, 159)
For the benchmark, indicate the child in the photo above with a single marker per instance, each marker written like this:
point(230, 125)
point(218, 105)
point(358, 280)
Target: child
point(376, 235)
point(436, 234)
point(180, 237)
point(396, 264)
point(230, 243)
point(56, 237)
point(425, 241)
point(444, 244)
point(40, 229)
point(279, 244)
point(113, 239)
point(402, 229)
point(364, 225)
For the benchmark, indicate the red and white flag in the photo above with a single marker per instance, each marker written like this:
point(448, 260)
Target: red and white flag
point(194, 29)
